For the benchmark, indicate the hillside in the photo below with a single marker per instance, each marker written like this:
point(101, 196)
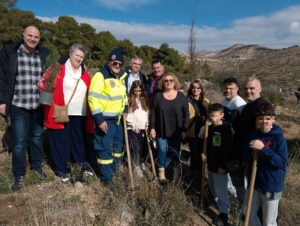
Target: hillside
point(281, 67)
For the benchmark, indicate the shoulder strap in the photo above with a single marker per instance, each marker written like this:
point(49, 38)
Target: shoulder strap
point(73, 91)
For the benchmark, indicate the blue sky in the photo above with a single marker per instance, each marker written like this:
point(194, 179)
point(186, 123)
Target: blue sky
point(219, 23)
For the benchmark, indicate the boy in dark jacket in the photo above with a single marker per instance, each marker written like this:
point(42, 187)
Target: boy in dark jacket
point(219, 144)
point(272, 162)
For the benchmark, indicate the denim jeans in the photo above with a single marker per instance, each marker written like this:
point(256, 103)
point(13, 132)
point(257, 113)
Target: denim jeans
point(26, 129)
point(217, 183)
point(168, 151)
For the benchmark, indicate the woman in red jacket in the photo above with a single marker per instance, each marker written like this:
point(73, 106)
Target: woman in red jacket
point(66, 140)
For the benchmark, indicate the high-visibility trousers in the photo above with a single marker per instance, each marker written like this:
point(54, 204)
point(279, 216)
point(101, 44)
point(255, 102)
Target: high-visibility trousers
point(109, 148)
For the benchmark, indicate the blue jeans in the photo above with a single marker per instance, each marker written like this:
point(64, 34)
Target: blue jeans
point(168, 151)
point(217, 184)
point(26, 129)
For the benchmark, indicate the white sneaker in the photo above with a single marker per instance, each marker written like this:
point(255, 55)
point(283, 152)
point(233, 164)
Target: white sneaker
point(144, 167)
point(65, 178)
point(139, 172)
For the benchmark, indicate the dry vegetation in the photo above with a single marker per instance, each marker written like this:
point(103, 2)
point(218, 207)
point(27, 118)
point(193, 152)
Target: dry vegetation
point(54, 203)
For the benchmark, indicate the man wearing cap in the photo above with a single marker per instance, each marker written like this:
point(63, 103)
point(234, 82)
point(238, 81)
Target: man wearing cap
point(108, 101)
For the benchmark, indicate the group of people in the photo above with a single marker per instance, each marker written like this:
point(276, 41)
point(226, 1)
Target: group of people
point(154, 107)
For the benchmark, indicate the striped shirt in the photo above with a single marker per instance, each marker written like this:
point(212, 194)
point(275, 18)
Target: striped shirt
point(29, 72)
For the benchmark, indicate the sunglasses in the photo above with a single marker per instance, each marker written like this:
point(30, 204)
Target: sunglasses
point(169, 80)
point(115, 63)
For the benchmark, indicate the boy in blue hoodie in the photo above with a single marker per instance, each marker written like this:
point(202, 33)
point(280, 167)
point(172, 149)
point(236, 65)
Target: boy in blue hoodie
point(272, 162)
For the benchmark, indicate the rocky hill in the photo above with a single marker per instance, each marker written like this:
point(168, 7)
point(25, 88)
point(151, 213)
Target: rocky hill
point(279, 66)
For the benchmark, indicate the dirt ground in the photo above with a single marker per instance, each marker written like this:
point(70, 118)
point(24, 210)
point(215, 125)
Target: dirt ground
point(53, 203)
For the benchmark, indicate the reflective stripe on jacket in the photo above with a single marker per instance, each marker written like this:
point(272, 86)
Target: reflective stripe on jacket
point(107, 95)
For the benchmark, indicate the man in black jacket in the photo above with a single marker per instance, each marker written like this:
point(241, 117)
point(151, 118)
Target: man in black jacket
point(21, 66)
point(152, 83)
point(246, 125)
point(134, 73)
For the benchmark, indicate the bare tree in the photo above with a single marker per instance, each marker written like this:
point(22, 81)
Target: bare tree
point(192, 45)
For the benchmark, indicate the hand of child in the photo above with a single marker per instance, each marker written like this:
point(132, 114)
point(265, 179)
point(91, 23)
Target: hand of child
point(137, 131)
point(203, 157)
point(221, 170)
point(256, 144)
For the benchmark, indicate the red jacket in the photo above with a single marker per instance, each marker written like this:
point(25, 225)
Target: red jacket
point(58, 99)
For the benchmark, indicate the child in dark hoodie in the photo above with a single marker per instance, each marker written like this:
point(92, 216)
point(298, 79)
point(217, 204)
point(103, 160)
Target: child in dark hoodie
point(219, 144)
point(272, 162)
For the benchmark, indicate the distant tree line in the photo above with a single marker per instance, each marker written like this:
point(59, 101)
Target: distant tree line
point(59, 36)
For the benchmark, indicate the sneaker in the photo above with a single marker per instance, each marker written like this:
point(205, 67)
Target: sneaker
point(88, 173)
point(65, 178)
point(17, 184)
point(87, 170)
point(222, 219)
point(139, 172)
point(144, 168)
point(40, 173)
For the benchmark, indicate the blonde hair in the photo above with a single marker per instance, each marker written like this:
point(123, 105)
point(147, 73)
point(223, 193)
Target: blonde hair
point(162, 81)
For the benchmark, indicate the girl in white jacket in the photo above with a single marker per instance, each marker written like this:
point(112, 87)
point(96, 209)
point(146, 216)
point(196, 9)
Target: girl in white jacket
point(137, 121)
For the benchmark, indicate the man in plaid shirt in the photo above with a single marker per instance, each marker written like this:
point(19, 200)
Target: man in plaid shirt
point(20, 70)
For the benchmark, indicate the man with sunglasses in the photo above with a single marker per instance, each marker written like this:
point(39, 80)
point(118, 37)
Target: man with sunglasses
point(108, 101)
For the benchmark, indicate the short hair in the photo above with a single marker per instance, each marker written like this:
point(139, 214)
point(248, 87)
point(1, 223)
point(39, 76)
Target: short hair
point(253, 78)
point(265, 109)
point(216, 107)
point(78, 46)
point(136, 57)
point(162, 81)
point(230, 80)
point(156, 61)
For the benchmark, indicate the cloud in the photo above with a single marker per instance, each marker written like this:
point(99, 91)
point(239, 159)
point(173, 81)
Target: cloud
point(124, 4)
point(277, 30)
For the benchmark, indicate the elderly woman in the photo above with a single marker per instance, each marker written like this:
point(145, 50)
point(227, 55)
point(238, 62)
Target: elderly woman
point(168, 122)
point(66, 140)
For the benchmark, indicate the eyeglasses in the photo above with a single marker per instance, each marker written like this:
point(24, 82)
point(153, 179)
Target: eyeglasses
point(169, 80)
point(195, 87)
point(115, 63)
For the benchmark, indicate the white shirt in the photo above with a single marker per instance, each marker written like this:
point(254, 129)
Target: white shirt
point(235, 103)
point(137, 119)
point(131, 79)
point(77, 106)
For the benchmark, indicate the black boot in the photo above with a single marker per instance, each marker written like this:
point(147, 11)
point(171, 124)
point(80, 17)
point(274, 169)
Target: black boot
point(222, 219)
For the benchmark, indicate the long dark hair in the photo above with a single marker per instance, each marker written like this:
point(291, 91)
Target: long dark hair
point(132, 104)
point(190, 93)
